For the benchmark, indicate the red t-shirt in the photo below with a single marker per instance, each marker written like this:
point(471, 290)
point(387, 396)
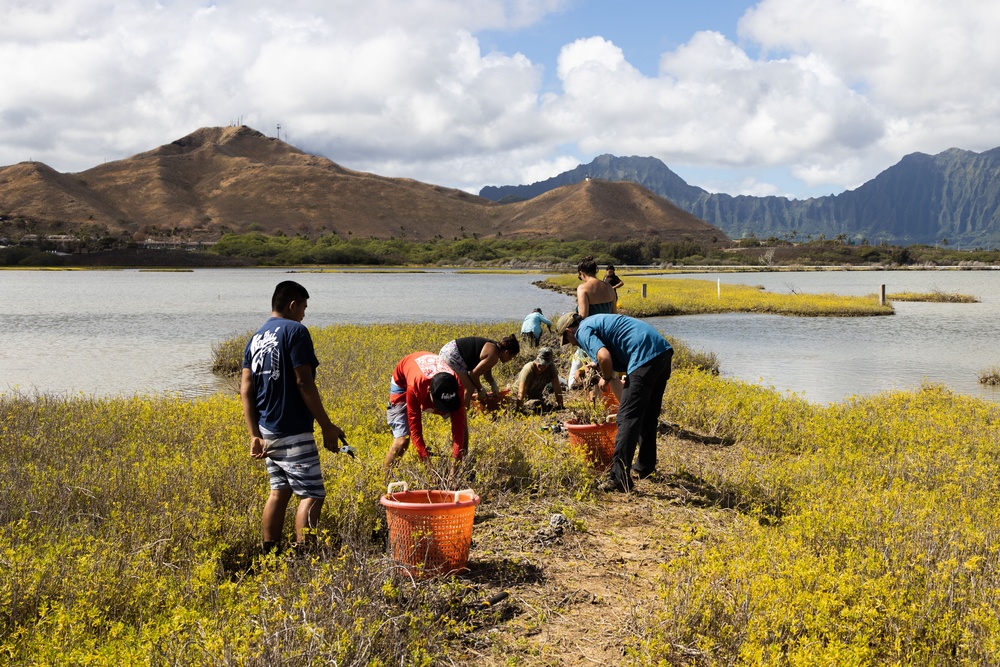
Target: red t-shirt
point(414, 373)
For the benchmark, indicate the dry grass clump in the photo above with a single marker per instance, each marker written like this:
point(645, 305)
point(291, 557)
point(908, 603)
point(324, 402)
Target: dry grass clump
point(227, 355)
point(990, 376)
point(687, 357)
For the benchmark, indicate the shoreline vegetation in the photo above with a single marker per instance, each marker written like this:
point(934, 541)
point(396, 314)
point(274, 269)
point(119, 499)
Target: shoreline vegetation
point(695, 297)
point(990, 376)
point(936, 296)
point(330, 250)
point(860, 533)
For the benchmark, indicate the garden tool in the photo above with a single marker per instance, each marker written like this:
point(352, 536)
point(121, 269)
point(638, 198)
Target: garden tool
point(346, 448)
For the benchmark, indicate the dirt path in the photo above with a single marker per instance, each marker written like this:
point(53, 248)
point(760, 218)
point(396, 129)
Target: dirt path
point(580, 597)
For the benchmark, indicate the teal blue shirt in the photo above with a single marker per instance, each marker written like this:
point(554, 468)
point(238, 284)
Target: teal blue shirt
point(631, 342)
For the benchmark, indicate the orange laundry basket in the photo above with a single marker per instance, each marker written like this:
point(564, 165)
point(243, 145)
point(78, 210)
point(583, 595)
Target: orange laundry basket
point(430, 532)
point(596, 441)
point(609, 398)
point(493, 402)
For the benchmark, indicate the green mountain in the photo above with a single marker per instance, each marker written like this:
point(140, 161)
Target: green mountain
point(953, 196)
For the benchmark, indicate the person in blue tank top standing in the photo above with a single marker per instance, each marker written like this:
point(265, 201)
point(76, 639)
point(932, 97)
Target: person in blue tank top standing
point(280, 404)
point(626, 345)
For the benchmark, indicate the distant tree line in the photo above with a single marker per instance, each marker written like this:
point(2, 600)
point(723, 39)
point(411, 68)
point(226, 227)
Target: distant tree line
point(256, 248)
point(332, 249)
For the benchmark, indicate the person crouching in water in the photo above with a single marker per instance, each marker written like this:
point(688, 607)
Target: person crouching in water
point(423, 382)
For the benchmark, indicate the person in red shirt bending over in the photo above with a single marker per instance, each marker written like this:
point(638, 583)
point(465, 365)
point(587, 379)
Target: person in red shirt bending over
point(423, 381)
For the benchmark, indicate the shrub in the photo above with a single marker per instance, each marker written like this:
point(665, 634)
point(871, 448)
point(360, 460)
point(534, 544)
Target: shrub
point(133, 536)
point(990, 376)
point(882, 552)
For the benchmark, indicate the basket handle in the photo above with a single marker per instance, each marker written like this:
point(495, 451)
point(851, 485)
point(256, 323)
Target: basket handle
point(391, 489)
point(462, 491)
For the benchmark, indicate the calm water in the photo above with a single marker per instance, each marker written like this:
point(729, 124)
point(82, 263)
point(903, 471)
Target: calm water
point(127, 332)
point(827, 359)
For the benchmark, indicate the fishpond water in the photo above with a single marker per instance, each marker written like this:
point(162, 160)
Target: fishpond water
point(133, 331)
point(827, 359)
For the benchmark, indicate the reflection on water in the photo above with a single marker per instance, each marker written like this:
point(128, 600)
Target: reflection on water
point(126, 332)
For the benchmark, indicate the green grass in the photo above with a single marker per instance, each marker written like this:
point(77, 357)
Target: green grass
point(864, 533)
point(936, 296)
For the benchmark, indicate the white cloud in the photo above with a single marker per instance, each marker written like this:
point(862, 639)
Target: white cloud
point(377, 80)
point(838, 91)
point(753, 187)
point(925, 64)
point(710, 104)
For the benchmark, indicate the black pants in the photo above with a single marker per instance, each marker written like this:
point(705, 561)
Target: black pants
point(639, 416)
point(529, 338)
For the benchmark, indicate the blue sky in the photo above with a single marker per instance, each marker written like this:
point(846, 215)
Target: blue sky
point(786, 97)
point(644, 29)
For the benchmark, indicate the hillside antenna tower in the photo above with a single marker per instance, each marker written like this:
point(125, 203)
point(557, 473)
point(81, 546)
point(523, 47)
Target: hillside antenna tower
point(279, 131)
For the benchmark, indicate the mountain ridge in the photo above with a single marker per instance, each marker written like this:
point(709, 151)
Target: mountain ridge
point(235, 179)
point(953, 196)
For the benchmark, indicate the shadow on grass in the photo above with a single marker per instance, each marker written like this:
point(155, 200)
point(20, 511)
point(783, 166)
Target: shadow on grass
point(503, 572)
point(687, 489)
point(676, 430)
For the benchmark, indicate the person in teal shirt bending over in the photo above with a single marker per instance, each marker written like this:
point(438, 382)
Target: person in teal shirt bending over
point(531, 328)
point(626, 345)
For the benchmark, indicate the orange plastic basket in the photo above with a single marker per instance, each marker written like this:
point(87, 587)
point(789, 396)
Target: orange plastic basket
point(430, 532)
point(596, 441)
point(609, 398)
point(492, 402)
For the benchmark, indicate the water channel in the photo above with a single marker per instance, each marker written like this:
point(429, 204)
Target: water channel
point(134, 332)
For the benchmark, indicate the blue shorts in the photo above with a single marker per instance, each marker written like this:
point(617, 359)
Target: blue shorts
point(293, 463)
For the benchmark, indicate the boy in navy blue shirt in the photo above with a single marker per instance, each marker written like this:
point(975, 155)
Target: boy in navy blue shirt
point(280, 403)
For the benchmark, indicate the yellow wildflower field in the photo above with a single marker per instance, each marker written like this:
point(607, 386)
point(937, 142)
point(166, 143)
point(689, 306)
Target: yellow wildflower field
point(862, 533)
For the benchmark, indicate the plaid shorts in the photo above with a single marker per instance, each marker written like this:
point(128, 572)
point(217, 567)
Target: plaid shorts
point(293, 463)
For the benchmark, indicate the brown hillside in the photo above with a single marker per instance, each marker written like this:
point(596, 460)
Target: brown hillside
point(36, 191)
point(612, 210)
point(235, 179)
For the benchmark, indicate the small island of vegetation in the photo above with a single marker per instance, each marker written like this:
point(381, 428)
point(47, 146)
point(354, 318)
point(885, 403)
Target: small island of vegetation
point(682, 296)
